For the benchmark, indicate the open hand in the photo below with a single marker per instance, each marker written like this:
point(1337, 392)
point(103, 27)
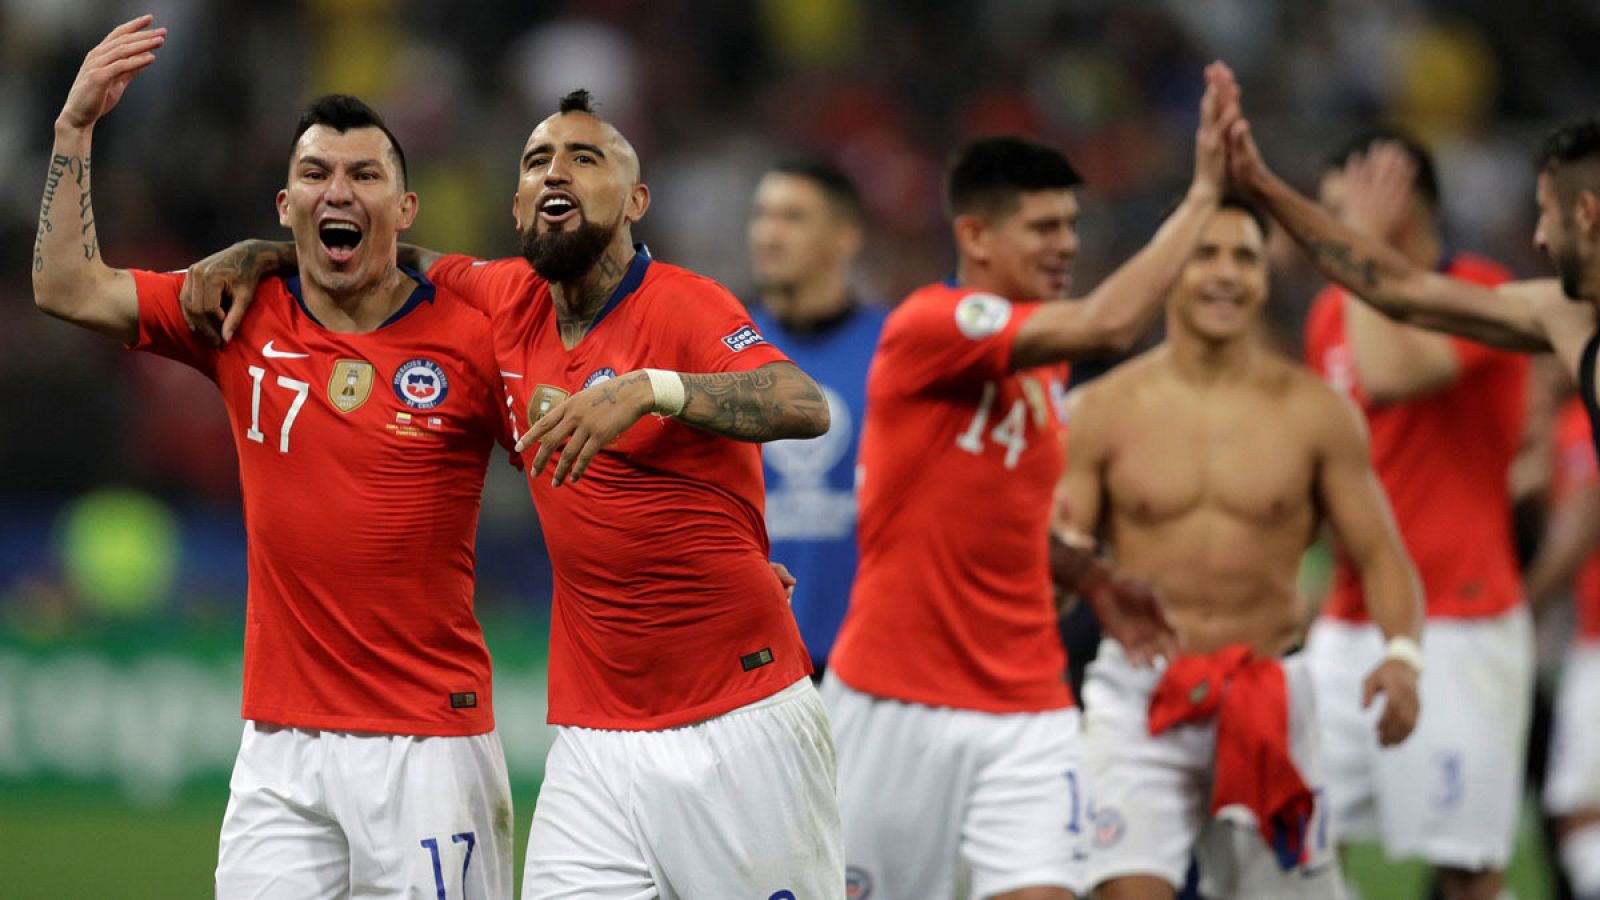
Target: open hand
point(107, 69)
point(1219, 108)
point(1378, 188)
point(583, 424)
point(1130, 612)
point(220, 288)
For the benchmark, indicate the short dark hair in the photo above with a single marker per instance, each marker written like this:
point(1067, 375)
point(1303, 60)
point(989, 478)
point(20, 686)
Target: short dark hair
point(986, 175)
point(577, 101)
point(1361, 142)
point(835, 186)
point(342, 112)
point(1573, 141)
point(1238, 201)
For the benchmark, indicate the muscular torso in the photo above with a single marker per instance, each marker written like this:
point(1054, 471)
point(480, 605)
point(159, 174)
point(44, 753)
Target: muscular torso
point(1210, 496)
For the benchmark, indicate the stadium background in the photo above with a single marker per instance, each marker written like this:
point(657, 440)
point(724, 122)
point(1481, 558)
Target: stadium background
point(121, 548)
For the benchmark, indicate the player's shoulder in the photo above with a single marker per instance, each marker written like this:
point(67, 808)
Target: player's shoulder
point(667, 278)
point(1305, 397)
point(975, 313)
point(1117, 388)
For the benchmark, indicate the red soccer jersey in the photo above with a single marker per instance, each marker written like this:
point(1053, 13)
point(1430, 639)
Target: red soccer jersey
point(960, 457)
point(666, 611)
point(1442, 460)
point(1575, 467)
point(361, 462)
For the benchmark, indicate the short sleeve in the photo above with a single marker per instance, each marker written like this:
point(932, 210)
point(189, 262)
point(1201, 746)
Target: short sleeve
point(948, 339)
point(162, 329)
point(483, 283)
point(706, 329)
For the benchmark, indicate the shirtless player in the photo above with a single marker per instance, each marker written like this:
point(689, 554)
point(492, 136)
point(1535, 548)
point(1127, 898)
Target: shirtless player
point(1205, 464)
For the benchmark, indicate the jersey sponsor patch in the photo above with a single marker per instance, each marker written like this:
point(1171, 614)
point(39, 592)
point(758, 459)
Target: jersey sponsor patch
point(350, 384)
point(982, 315)
point(599, 375)
point(757, 659)
point(545, 398)
point(744, 338)
point(464, 700)
point(421, 384)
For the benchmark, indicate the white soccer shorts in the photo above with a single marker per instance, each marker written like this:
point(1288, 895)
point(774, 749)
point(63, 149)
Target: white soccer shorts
point(1451, 793)
point(1152, 795)
point(1572, 783)
point(334, 814)
point(941, 803)
point(740, 806)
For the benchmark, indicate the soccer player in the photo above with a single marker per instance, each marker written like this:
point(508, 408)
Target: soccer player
point(1206, 465)
point(693, 756)
point(805, 231)
point(1531, 316)
point(369, 764)
point(958, 742)
point(1446, 417)
point(1568, 558)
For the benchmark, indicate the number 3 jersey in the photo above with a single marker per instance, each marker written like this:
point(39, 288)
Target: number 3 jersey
point(952, 604)
point(361, 462)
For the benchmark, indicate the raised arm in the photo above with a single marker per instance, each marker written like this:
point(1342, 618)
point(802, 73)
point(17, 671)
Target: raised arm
point(1379, 274)
point(70, 280)
point(1117, 311)
point(1356, 507)
point(773, 402)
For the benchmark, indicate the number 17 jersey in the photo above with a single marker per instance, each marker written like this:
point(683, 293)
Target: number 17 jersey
point(952, 604)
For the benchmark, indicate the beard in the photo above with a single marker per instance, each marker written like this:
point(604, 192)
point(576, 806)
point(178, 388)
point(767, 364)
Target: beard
point(562, 257)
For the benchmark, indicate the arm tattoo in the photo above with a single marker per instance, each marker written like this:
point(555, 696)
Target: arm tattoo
point(765, 404)
point(52, 181)
point(1343, 261)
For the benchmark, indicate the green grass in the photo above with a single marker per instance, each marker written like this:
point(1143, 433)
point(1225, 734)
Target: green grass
point(76, 845)
point(78, 842)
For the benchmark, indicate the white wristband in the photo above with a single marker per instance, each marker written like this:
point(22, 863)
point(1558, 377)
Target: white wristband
point(668, 388)
point(1404, 649)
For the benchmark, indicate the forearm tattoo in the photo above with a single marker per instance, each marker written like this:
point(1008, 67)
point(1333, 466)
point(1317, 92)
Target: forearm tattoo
point(764, 404)
point(1341, 261)
point(52, 182)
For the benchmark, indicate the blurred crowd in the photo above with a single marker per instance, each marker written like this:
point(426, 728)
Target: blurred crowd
point(710, 92)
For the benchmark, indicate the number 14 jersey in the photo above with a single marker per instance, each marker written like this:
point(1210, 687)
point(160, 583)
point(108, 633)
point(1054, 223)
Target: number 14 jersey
point(952, 604)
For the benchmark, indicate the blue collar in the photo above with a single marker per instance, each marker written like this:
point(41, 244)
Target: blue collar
point(630, 282)
point(424, 291)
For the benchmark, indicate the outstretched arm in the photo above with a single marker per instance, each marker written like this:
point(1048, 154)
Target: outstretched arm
point(1381, 275)
point(769, 403)
point(70, 280)
point(1116, 312)
point(221, 287)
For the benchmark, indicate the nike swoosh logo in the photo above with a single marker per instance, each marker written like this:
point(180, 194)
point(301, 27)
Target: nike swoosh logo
point(505, 374)
point(270, 353)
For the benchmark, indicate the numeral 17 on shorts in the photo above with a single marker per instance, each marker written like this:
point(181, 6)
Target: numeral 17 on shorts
point(432, 846)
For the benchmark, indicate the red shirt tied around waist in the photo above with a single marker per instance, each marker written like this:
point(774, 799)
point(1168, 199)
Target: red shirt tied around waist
point(361, 460)
point(1575, 466)
point(1249, 699)
point(953, 604)
point(666, 611)
point(1442, 460)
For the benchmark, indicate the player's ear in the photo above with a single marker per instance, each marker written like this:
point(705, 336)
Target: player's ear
point(1588, 211)
point(849, 241)
point(283, 208)
point(408, 209)
point(638, 202)
point(971, 236)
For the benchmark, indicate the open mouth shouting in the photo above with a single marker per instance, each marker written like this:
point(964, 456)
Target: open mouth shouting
point(340, 239)
point(557, 207)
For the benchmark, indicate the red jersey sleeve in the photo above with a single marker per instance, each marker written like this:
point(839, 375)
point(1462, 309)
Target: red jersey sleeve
point(953, 338)
point(704, 328)
point(481, 282)
point(162, 329)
